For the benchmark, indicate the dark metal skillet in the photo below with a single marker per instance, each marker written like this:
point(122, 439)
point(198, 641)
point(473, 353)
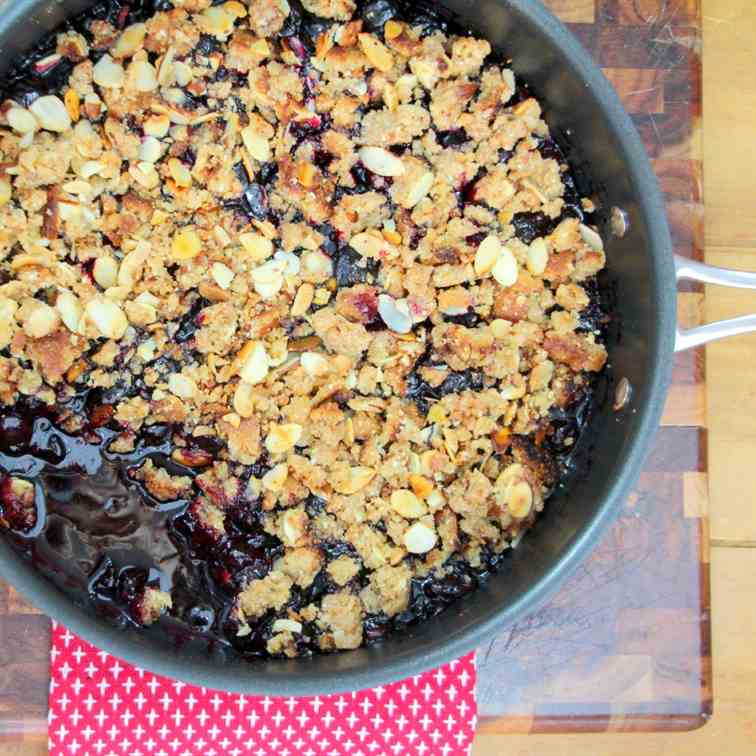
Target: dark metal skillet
point(580, 104)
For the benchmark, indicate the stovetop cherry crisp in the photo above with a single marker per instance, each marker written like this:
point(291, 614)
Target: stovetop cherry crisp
point(299, 316)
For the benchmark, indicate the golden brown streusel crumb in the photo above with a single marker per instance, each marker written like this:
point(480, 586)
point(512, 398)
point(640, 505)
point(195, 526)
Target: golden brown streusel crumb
point(341, 285)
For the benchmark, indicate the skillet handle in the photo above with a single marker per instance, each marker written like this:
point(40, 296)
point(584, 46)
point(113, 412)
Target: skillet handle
point(690, 270)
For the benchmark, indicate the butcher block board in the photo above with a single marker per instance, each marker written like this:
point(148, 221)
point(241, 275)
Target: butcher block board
point(625, 645)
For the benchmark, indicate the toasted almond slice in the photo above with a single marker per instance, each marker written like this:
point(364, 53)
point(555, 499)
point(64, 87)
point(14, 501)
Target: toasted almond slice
point(143, 75)
point(257, 145)
point(69, 308)
point(22, 120)
point(107, 317)
point(6, 192)
point(275, 479)
point(130, 41)
point(105, 272)
point(180, 173)
point(243, 402)
point(376, 52)
point(39, 319)
point(420, 539)
point(282, 438)
point(354, 480)
point(286, 625)
point(407, 504)
point(109, 74)
point(538, 257)
point(186, 245)
point(591, 238)
point(420, 485)
point(520, 499)
point(393, 315)
point(505, 271)
point(487, 255)
point(314, 364)
point(255, 365)
point(381, 161)
point(257, 247)
point(222, 274)
point(392, 29)
point(182, 386)
point(368, 245)
point(303, 300)
point(420, 190)
point(157, 126)
point(51, 113)
point(150, 150)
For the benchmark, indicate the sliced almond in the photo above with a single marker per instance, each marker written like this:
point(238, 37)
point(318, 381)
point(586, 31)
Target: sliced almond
point(157, 126)
point(538, 257)
point(419, 190)
point(314, 364)
point(105, 272)
point(243, 402)
point(51, 113)
point(22, 120)
point(150, 150)
point(255, 363)
point(257, 247)
point(38, 319)
point(368, 245)
point(186, 245)
point(420, 539)
point(256, 144)
point(182, 386)
point(302, 300)
point(268, 279)
point(380, 161)
point(107, 317)
point(376, 52)
point(143, 76)
point(130, 41)
point(397, 318)
point(109, 74)
point(520, 499)
point(351, 481)
point(287, 626)
point(222, 274)
point(505, 271)
point(275, 479)
point(487, 255)
point(421, 485)
point(6, 192)
point(591, 238)
point(306, 174)
point(69, 308)
point(407, 504)
point(216, 21)
point(183, 72)
point(392, 29)
point(145, 175)
point(283, 438)
point(180, 173)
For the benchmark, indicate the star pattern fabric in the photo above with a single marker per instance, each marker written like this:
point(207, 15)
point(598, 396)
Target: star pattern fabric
point(102, 706)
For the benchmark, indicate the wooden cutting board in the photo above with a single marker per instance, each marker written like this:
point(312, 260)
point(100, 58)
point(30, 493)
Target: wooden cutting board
point(625, 645)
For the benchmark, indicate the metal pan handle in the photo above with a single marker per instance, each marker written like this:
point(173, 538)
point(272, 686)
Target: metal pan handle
point(690, 270)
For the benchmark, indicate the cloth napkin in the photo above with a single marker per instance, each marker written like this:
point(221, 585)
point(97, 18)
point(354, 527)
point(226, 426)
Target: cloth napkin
point(102, 706)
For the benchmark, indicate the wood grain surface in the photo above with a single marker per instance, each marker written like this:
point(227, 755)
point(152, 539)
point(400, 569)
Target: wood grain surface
point(626, 643)
point(729, 151)
point(730, 26)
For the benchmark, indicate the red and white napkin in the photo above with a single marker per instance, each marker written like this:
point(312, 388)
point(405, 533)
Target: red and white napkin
point(102, 706)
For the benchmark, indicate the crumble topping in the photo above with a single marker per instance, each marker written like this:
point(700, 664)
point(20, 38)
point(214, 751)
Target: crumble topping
point(343, 272)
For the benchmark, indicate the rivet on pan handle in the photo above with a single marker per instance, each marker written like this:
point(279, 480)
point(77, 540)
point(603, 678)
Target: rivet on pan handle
point(690, 270)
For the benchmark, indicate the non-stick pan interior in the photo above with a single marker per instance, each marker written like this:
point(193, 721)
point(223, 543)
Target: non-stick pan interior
point(588, 120)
